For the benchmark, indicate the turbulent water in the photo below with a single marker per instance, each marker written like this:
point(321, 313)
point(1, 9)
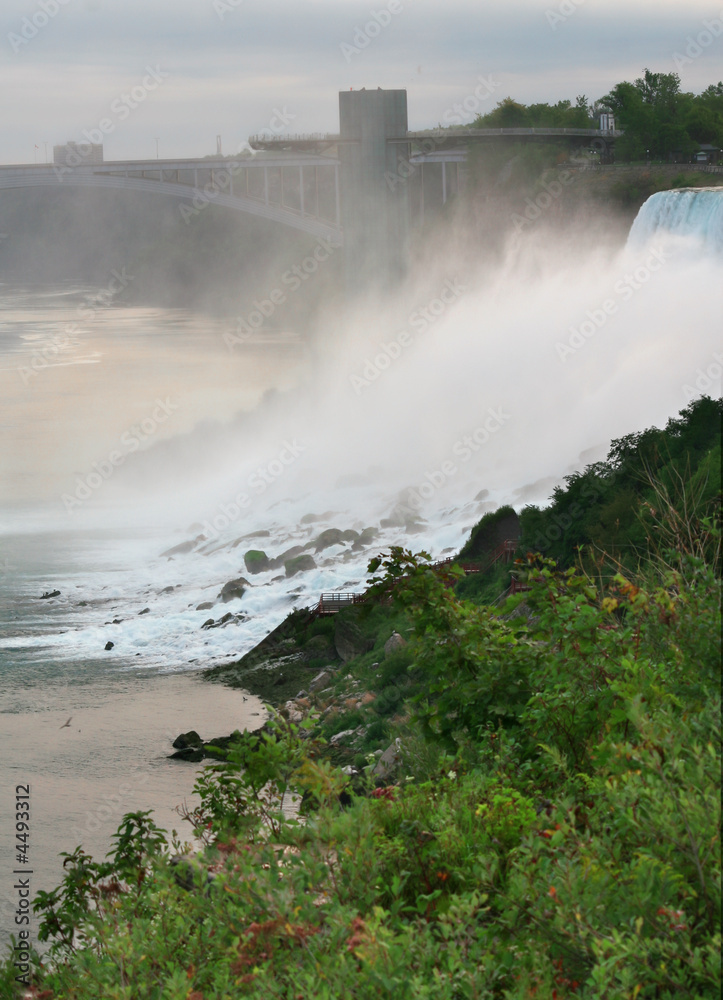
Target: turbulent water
point(129, 432)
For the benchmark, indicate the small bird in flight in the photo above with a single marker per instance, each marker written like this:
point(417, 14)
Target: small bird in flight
point(66, 724)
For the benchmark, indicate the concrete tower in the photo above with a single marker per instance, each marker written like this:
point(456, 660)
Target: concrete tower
point(375, 213)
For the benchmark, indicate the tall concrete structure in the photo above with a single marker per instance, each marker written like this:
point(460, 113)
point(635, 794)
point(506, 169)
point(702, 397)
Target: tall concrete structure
point(374, 198)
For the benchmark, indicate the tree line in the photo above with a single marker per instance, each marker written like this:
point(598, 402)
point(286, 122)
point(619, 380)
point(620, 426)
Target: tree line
point(660, 120)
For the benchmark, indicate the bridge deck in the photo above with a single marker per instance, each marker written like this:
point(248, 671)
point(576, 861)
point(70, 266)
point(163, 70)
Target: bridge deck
point(300, 190)
point(319, 140)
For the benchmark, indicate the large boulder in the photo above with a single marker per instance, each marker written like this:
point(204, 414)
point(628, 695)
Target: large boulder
point(393, 643)
point(291, 553)
point(299, 564)
point(322, 680)
point(227, 619)
point(184, 547)
point(190, 747)
point(366, 538)
point(256, 561)
point(332, 536)
point(389, 761)
point(319, 646)
point(416, 527)
point(292, 712)
point(342, 737)
point(193, 755)
point(313, 518)
point(349, 640)
point(233, 590)
point(189, 739)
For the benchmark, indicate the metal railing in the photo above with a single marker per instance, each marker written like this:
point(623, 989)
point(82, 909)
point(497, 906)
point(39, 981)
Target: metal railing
point(333, 602)
point(329, 604)
point(295, 137)
point(473, 132)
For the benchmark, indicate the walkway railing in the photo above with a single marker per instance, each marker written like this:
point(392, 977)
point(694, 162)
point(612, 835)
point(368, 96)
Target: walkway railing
point(332, 603)
point(504, 552)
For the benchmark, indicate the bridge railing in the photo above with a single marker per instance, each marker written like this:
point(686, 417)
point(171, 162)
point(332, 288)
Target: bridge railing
point(295, 137)
point(471, 133)
point(475, 132)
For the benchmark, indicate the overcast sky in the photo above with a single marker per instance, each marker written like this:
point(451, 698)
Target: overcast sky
point(236, 67)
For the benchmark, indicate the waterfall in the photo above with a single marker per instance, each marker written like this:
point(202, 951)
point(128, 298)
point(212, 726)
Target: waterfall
point(687, 212)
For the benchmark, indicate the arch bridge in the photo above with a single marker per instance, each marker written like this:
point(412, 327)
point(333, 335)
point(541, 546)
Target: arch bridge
point(348, 188)
point(298, 190)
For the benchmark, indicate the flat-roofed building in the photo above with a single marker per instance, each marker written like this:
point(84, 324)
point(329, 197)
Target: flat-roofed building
point(72, 154)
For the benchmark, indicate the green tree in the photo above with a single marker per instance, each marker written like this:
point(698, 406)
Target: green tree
point(507, 114)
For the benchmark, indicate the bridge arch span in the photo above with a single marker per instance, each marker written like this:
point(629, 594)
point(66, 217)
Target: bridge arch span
point(34, 178)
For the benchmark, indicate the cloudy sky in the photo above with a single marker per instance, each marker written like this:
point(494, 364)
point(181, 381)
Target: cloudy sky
point(235, 67)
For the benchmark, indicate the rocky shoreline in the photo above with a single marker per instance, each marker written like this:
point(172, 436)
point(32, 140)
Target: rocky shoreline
point(322, 675)
point(342, 673)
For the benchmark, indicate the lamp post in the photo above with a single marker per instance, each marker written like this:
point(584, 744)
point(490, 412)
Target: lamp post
point(157, 141)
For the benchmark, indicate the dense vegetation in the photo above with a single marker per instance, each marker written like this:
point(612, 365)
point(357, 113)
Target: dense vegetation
point(548, 824)
point(659, 119)
point(612, 508)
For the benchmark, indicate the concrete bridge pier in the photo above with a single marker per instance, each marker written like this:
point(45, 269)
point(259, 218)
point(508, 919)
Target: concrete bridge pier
point(374, 195)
